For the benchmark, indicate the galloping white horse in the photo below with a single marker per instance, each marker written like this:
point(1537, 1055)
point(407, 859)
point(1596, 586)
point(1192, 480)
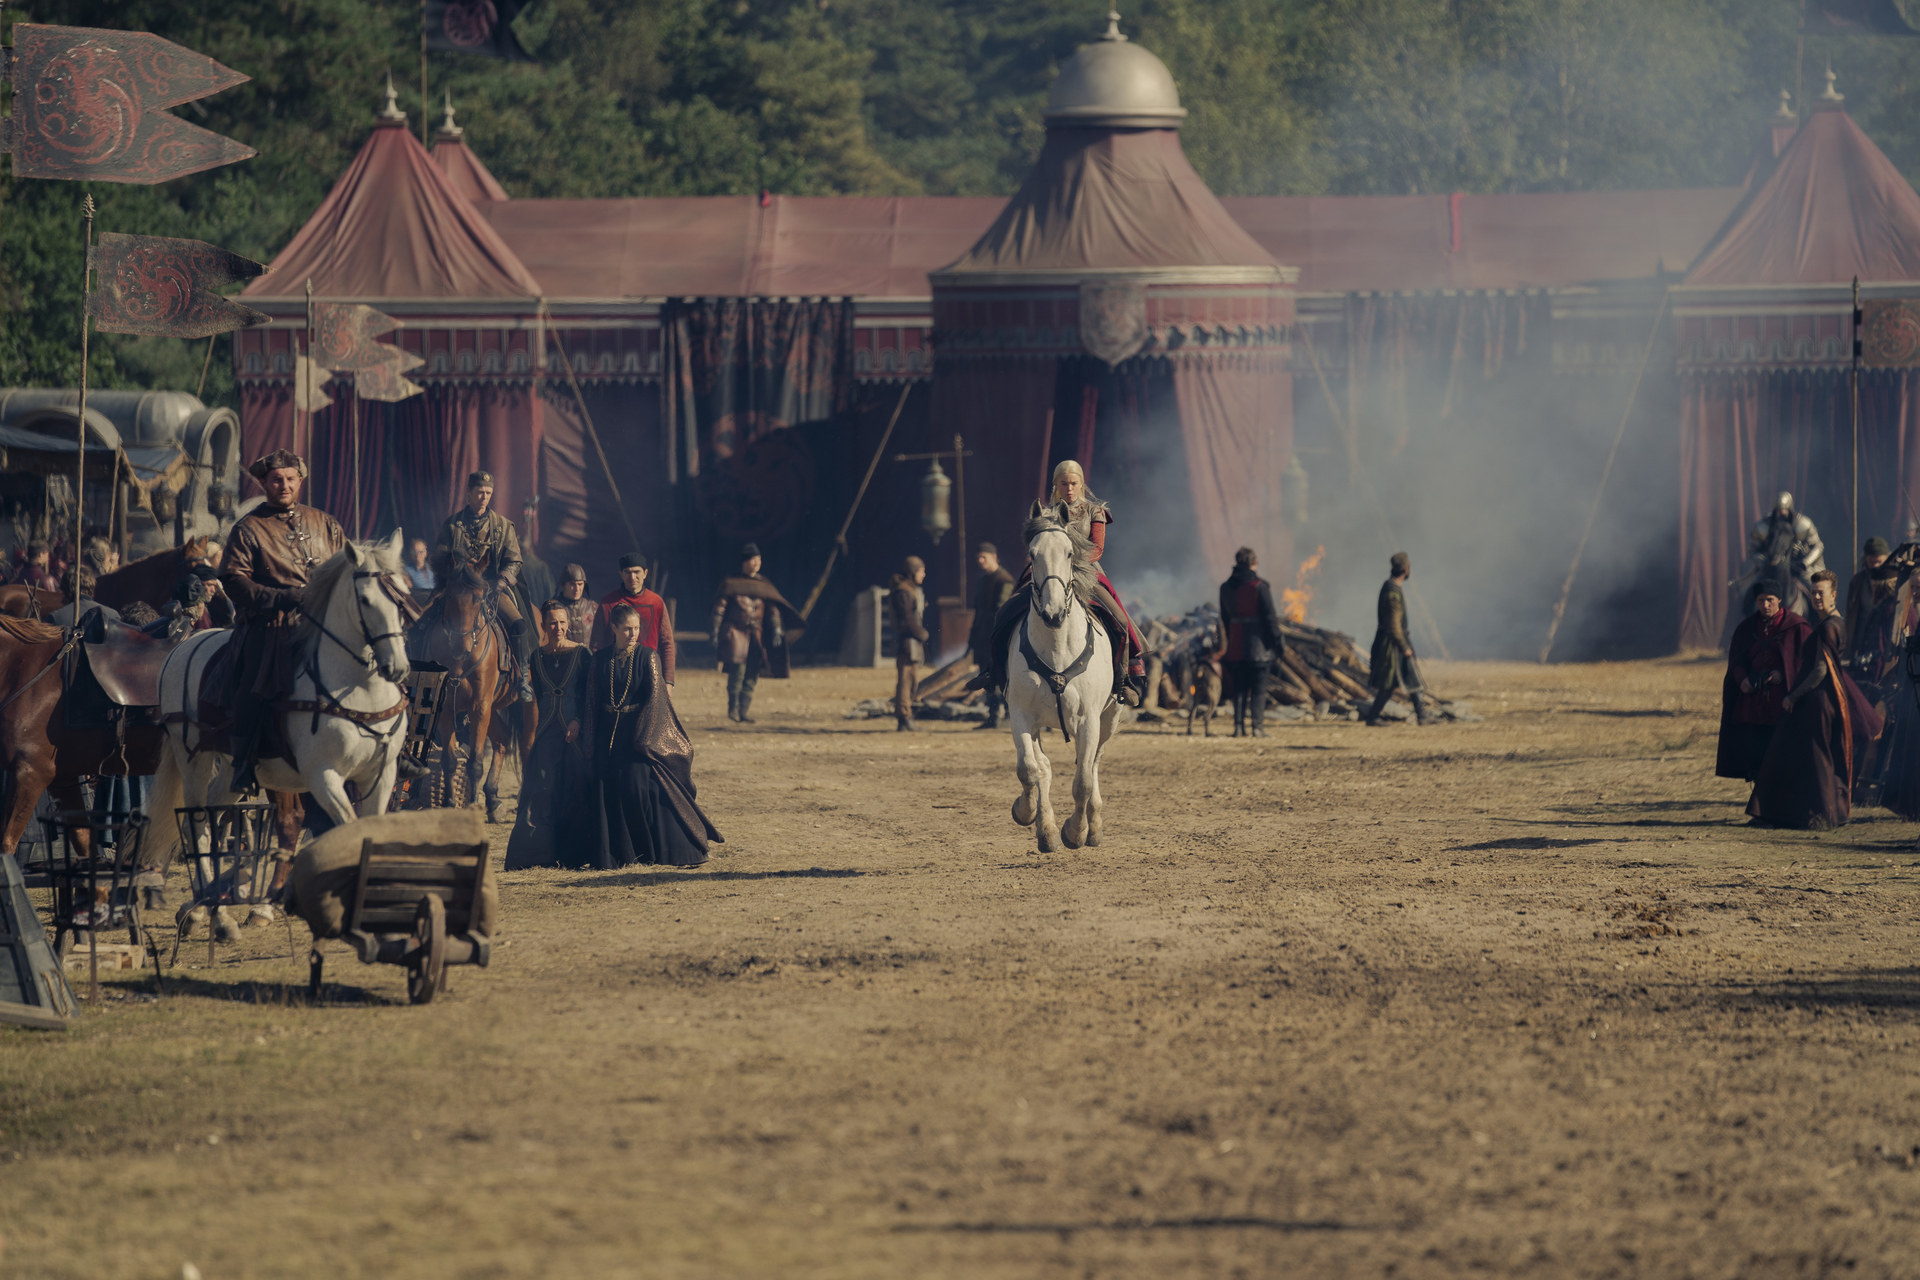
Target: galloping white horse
point(346, 720)
point(1060, 675)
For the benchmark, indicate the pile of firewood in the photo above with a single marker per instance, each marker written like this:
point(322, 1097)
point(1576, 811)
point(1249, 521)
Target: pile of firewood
point(1318, 668)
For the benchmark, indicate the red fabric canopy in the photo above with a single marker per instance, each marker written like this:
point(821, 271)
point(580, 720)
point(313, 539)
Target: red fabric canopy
point(1833, 208)
point(1111, 199)
point(464, 171)
point(395, 227)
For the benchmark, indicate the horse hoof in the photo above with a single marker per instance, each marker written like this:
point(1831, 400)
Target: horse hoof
point(1049, 841)
point(260, 917)
point(1025, 821)
point(1093, 840)
point(224, 930)
point(1070, 839)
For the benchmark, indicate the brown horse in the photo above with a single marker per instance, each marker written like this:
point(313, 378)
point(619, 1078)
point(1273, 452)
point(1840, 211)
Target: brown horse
point(18, 600)
point(38, 752)
point(464, 635)
point(152, 579)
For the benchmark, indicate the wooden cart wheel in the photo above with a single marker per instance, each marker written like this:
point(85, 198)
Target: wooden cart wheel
point(427, 966)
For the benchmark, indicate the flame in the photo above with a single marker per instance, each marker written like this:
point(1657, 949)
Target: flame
point(1295, 599)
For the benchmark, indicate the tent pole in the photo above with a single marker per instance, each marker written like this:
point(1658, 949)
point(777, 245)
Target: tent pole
point(308, 376)
point(960, 497)
point(1855, 379)
point(840, 539)
point(1626, 416)
point(80, 468)
point(353, 435)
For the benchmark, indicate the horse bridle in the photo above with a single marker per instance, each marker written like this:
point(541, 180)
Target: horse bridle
point(1065, 586)
point(366, 660)
point(489, 614)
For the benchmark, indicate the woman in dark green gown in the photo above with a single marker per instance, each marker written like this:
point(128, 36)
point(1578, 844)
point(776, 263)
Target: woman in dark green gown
point(642, 759)
point(552, 828)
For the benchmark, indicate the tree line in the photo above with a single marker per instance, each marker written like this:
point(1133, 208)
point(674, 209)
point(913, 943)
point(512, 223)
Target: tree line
point(938, 97)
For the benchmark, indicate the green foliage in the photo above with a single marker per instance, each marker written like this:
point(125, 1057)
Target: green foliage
point(698, 97)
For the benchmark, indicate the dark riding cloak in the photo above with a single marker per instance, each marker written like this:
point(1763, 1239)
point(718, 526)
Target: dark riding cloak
point(1806, 778)
point(553, 827)
point(1766, 653)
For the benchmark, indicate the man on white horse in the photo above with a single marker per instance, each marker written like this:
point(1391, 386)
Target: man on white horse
point(270, 556)
point(1090, 517)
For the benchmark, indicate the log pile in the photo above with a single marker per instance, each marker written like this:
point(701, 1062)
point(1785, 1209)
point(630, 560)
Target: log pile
point(1319, 668)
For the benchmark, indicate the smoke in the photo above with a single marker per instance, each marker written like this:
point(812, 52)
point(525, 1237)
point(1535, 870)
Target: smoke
point(1484, 471)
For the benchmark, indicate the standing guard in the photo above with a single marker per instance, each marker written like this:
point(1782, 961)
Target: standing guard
point(751, 622)
point(479, 540)
point(1253, 641)
point(995, 589)
point(582, 609)
point(908, 601)
point(270, 556)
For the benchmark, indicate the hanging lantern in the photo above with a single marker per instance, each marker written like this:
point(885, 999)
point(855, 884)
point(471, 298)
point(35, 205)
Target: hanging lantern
point(165, 506)
point(935, 492)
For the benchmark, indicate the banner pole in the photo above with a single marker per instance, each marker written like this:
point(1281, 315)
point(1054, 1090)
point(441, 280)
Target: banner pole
point(424, 109)
point(306, 383)
point(355, 432)
point(80, 467)
point(1855, 548)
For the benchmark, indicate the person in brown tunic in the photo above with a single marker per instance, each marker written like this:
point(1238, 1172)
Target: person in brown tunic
point(752, 627)
point(1806, 779)
point(1762, 658)
point(271, 553)
point(642, 759)
point(909, 605)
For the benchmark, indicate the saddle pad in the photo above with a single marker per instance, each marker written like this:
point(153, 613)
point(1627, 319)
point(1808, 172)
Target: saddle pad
point(215, 682)
point(126, 661)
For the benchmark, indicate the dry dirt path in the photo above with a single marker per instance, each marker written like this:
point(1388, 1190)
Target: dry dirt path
point(1519, 997)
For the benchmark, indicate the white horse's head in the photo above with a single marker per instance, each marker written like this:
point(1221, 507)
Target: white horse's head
point(349, 595)
point(1062, 563)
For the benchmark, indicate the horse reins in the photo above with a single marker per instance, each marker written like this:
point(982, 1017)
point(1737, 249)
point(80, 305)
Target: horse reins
point(1057, 679)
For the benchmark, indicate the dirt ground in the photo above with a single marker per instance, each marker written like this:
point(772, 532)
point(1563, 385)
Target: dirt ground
point(1518, 997)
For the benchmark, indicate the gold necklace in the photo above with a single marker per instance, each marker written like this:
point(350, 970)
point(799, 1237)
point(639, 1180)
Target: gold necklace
point(619, 705)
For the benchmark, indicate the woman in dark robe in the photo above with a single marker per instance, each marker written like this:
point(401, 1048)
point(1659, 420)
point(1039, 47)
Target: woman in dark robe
point(551, 828)
point(1806, 779)
point(1762, 658)
point(642, 760)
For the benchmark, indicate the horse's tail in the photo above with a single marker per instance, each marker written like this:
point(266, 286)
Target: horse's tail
point(169, 792)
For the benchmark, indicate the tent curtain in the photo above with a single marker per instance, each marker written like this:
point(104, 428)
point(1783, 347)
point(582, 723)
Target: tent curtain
point(741, 368)
point(1423, 356)
point(415, 454)
point(1744, 437)
point(1002, 406)
point(1236, 419)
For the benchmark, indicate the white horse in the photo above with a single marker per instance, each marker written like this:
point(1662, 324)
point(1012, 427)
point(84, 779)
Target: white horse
point(346, 716)
point(1060, 675)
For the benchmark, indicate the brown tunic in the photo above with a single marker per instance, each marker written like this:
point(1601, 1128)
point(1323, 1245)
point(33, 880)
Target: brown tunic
point(270, 558)
point(909, 604)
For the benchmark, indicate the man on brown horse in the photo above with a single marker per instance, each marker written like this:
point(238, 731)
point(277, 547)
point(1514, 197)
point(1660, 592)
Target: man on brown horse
point(273, 550)
point(479, 540)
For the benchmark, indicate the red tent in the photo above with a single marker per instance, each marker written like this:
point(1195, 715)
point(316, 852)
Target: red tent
point(1764, 352)
point(464, 171)
point(1115, 312)
point(396, 233)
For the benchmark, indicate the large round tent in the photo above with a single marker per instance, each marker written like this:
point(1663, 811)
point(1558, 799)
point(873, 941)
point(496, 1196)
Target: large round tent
point(1116, 313)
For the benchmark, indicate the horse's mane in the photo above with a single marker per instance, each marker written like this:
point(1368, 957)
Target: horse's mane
point(1085, 575)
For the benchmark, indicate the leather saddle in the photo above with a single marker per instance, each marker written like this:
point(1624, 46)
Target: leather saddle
point(124, 660)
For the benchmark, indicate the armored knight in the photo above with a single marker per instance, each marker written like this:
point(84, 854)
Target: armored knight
point(1783, 548)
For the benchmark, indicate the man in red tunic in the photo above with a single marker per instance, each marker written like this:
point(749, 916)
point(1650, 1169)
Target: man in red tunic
point(656, 629)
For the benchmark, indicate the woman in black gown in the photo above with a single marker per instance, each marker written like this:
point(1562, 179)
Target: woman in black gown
point(551, 828)
point(642, 760)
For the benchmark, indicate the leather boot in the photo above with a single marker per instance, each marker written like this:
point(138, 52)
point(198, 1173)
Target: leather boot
point(746, 700)
point(733, 706)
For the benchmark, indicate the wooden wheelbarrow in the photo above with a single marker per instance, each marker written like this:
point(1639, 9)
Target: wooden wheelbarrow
point(411, 889)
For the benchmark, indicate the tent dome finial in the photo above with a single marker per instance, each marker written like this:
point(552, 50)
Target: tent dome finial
point(1114, 83)
point(393, 111)
point(1786, 111)
point(448, 129)
point(1830, 96)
